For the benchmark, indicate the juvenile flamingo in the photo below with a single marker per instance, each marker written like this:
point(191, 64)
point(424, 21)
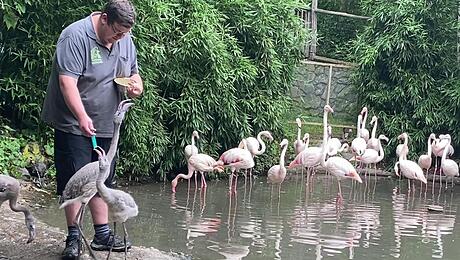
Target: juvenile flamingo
point(277, 173)
point(9, 190)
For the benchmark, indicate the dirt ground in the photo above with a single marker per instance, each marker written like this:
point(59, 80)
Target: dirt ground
point(49, 242)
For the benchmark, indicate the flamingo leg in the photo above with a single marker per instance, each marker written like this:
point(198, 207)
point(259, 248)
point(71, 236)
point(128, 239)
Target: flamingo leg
point(125, 238)
point(203, 181)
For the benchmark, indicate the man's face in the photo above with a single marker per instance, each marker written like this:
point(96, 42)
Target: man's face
point(113, 31)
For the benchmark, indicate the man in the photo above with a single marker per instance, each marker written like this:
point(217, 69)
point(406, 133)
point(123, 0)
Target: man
point(81, 100)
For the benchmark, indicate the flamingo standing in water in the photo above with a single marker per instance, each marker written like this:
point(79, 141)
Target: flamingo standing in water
point(425, 160)
point(373, 142)
point(449, 167)
point(372, 156)
point(358, 145)
point(336, 165)
point(409, 169)
point(277, 173)
point(198, 162)
point(253, 145)
point(299, 144)
point(191, 149)
point(236, 159)
point(438, 146)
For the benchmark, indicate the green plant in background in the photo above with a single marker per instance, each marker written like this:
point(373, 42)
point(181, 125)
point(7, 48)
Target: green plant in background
point(10, 151)
point(407, 70)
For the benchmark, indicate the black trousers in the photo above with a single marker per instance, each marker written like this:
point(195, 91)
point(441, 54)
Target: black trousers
point(71, 152)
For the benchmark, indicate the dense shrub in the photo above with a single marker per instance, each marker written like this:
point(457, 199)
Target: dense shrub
point(408, 70)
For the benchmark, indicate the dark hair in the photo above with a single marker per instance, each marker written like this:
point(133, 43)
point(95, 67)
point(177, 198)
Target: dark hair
point(120, 11)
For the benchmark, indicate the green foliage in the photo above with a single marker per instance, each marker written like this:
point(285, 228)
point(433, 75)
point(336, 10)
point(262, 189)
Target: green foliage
point(221, 68)
point(10, 151)
point(408, 73)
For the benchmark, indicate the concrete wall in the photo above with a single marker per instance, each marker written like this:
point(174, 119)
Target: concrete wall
point(309, 90)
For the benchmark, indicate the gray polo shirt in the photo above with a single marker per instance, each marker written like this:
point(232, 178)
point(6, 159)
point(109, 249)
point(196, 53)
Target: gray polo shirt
point(80, 55)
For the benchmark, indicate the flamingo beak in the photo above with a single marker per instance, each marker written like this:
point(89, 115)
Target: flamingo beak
point(292, 164)
point(355, 176)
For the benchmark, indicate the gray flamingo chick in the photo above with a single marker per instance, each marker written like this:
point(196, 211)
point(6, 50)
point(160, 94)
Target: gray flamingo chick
point(9, 190)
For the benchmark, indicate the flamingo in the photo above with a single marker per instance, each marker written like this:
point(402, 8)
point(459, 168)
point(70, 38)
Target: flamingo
point(372, 156)
point(236, 159)
point(333, 144)
point(425, 160)
point(9, 190)
point(198, 162)
point(253, 144)
point(448, 166)
point(121, 205)
point(306, 140)
point(409, 169)
point(277, 173)
point(337, 166)
point(299, 144)
point(373, 142)
point(438, 148)
point(191, 149)
point(400, 151)
point(364, 132)
point(358, 145)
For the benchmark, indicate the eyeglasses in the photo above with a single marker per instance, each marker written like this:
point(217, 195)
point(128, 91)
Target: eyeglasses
point(117, 32)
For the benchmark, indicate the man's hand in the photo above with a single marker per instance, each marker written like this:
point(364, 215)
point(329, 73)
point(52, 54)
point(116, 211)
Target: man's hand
point(86, 126)
point(135, 87)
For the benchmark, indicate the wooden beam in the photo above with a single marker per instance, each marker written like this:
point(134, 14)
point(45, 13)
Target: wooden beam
point(325, 64)
point(330, 60)
point(314, 29)
point(319, 10)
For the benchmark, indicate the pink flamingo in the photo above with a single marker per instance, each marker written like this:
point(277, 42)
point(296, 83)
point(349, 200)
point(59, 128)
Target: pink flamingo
point(253, 145)
point(449, 167)
point(277, 173)
point(425, 160)
point(438, 146)
point(191, 149)
point(373, 142)
point(198, 162)
point(358, 145)
point(334, 145)
point(409, 169)
point(299, 144)
point(372, 156)
point(236, 159)
point(336, 165)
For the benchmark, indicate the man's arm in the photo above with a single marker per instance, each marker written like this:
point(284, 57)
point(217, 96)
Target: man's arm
point(72, 98)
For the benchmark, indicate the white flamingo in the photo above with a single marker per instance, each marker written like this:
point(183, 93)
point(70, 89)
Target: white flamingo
point(400, 151)
point(409, 169)
point(334, 145)
point(337, 166)
point(236, 159)
point(438, 146)
point(277, 173)
point(253, 145)
point(364, 132)
point(299, 144)
point(191, 149)
point(358, 145)
point(372, 156)
point(198, 162)
point(373, 142)
point(449, 167)
point(425, 160)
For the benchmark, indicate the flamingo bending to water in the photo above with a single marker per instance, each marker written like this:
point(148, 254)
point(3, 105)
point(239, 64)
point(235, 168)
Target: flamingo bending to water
point(277, 173)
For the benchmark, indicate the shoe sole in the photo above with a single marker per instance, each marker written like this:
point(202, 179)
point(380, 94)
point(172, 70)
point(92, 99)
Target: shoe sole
point(114, 249)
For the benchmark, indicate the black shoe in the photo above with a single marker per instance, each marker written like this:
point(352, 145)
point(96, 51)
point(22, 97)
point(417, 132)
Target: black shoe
point(117, 241)
point(71, 248)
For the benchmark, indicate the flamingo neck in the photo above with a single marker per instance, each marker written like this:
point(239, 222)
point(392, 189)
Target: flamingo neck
point(446, 150)
point(429, 146)
point(283, 154)
point(374, 129)
point(299, 131)
point(358, 127)
point(363, 125)
point(188, 176)
point(193, 144)
point(19, 208)
point(381, 152)
point(323, 149)
point(262, 144)
point(114, 143)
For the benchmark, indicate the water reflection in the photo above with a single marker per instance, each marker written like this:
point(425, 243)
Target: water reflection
point(376, 219)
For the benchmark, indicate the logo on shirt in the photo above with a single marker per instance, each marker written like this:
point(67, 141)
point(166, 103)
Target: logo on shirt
point(96, 57)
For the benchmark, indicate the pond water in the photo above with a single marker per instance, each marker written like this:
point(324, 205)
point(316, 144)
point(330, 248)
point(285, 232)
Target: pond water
point(378, 219)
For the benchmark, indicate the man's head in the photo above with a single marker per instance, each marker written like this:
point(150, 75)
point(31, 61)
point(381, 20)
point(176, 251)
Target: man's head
point(118, 17)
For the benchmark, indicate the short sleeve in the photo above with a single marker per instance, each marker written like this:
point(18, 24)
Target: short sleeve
point(69, 57)
point(134, 66)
